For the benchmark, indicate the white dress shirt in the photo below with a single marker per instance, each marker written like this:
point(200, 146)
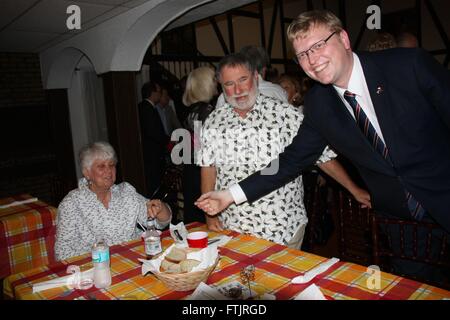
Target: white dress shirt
point(358, 85)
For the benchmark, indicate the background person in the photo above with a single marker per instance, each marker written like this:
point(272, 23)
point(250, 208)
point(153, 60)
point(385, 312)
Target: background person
point(201, 88)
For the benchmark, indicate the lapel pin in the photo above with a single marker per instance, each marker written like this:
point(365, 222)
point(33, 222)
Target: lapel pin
point(379, 90)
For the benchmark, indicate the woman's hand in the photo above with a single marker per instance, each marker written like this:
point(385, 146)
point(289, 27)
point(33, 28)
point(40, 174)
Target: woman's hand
point(158, 209)
point(214, 224)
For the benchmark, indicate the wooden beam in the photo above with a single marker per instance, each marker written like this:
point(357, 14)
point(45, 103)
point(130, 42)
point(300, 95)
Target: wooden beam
point(243, 13)
point(216, 28)
point(283, 36)
point(181, 57)
point(272, 27)
point(194, 38)
point(262, 27)
point(230, 31)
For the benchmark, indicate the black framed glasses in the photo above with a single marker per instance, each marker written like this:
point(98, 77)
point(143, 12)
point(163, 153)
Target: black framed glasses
point(316, 47)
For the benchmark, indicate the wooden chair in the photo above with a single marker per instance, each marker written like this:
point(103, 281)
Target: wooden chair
point(312, 202)
point(355, 243)
point(433, 233)
point(172, 186)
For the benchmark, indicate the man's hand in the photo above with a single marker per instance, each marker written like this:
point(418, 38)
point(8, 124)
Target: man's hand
point(363, 197)
point(214, 202)
point(214, 224)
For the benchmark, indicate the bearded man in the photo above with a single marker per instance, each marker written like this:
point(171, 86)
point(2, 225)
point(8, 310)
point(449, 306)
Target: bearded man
point(245, 136)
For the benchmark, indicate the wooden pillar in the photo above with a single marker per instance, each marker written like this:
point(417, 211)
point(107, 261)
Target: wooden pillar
point(62, 141)
point(123, 126)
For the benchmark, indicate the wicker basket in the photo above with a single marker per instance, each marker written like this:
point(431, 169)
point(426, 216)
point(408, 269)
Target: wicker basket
point(185, 281)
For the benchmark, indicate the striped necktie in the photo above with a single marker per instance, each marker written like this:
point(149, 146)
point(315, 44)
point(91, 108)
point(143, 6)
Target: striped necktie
point(416, 210)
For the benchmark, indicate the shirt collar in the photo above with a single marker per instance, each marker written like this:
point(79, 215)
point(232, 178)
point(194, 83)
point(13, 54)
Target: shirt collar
point(83, 185)
point(151, 102)
point(356, 82)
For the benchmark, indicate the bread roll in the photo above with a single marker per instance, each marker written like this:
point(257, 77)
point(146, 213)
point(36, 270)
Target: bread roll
point(170, 267)
point(188, 264)
point(176, 255)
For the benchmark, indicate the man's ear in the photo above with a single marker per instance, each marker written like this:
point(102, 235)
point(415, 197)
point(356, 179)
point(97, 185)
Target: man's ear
point(343, 35)
point(263, 72)
point(255, 76)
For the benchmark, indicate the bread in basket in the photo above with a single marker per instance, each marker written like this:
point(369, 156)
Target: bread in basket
point(174, 272)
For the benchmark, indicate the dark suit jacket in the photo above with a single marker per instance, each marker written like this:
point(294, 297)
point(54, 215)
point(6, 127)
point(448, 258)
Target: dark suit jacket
point(154, 143)
point(413, 110)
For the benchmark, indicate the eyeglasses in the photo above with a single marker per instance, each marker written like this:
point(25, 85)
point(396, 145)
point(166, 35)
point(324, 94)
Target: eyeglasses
point(316, 47)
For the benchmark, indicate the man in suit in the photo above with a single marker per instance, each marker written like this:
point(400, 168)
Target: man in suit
point(153, 137)
point(388, 112)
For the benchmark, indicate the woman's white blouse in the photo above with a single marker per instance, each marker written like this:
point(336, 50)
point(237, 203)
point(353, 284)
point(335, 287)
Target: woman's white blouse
point(82, 219)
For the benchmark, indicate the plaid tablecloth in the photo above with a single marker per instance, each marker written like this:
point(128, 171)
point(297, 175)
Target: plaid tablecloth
point(27, 235)
point(275, 266)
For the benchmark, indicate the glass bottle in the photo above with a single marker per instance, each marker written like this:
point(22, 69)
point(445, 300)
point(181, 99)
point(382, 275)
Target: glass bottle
point(152, 240)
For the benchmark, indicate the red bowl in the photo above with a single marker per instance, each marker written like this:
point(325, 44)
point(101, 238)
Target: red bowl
point(197, 239)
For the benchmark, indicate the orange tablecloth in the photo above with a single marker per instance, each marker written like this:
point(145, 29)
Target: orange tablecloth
point(275, 266)
point(27, 235)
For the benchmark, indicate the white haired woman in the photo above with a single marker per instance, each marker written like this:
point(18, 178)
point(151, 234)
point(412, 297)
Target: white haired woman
point(101, 210)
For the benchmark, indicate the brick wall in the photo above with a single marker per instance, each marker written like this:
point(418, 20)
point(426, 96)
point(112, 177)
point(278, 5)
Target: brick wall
point(20, 80)
point(27, 156)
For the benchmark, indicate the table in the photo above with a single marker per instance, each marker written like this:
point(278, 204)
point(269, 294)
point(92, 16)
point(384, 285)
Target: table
point(275, 266)
point(27, 235)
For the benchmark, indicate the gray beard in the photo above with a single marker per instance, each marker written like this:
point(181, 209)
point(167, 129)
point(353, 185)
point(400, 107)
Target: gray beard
point(249, 105)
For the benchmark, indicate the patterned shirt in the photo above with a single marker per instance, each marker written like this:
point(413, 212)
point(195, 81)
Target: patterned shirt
point(82, 219)
point(238, 147)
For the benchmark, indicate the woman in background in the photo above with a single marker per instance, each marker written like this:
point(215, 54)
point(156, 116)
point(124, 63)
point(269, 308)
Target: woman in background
point(201, 89)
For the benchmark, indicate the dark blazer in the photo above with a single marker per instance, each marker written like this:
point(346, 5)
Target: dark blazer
point(410, 92)
point(154, 144)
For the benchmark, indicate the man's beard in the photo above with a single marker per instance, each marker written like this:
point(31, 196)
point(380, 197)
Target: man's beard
point(248, 103)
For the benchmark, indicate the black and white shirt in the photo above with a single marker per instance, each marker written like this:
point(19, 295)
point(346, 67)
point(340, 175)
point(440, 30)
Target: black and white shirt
point(238, 147)
point(82, 219)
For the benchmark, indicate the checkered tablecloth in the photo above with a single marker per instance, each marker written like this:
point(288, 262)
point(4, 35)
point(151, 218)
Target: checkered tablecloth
point(275, 266)
point(27, 235)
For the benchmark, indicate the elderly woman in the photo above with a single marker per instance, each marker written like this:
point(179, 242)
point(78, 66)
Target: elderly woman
point(100, 209)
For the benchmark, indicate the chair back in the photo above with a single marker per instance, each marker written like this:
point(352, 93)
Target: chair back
point(433, 249)
point(354, 228)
